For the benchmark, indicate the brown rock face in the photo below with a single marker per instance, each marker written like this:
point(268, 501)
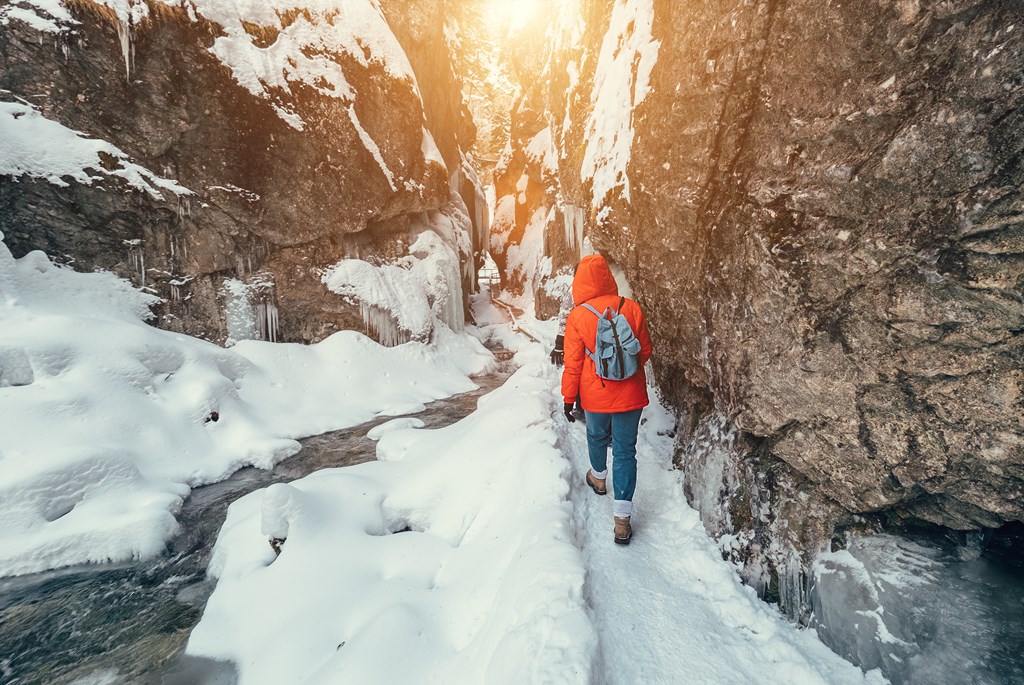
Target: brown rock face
point(274, 202)
point(537, 232)
point(825, 225)
point(423, 28)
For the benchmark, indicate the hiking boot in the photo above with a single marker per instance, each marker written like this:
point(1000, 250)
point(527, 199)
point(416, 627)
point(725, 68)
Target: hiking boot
point(596, 483)
point(623, 531)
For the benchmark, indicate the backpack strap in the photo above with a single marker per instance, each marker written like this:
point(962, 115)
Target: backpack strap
point(615, 334)
point(585, 349)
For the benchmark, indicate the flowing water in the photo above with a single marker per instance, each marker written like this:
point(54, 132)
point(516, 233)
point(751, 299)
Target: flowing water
point(927, 609)
point(128, 623)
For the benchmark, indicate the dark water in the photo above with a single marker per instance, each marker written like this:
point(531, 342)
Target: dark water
point(128, 623)
point(927, 607)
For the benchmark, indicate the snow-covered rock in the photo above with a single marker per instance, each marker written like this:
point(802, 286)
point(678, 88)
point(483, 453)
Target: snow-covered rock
point(409, 297)
point(195, 146)
point(826, 243)
point(107, 422)
point(36, 147)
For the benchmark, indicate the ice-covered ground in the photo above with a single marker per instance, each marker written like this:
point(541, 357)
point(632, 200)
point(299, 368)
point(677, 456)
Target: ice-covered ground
point(473, 553)
point(107, 422)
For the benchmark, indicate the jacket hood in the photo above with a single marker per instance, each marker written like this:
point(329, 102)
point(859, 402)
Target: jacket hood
point(593, 279)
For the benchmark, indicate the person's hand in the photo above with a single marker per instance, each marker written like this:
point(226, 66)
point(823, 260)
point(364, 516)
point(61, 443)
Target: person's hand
point(557, 354)
point(567, 409)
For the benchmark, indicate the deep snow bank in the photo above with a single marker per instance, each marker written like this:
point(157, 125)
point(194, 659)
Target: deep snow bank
point(106, 422)
point(450, 560)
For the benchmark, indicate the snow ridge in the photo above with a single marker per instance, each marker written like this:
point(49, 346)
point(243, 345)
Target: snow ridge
point(453, 551)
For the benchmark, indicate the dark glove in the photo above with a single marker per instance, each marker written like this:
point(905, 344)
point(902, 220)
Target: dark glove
point(567, 408)
point(577, 410)
point(557, 355)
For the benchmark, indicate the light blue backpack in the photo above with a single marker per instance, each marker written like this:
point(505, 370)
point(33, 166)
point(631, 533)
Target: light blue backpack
point(616, 348)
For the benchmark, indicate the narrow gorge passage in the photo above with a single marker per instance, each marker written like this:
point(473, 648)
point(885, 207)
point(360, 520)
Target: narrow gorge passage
point(235, 234)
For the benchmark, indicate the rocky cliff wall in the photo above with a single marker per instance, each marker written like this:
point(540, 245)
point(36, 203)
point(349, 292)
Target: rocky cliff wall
point(819, 205)
point(302, 135)
point(432, 38)
point(538, 225)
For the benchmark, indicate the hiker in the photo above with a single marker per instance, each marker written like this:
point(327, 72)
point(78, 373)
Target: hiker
point(612, 407)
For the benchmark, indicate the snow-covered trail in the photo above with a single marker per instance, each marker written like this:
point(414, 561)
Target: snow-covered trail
point(668, 609)
point(475, 552)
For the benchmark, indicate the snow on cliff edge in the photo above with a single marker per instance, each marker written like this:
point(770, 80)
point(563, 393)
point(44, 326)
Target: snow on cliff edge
point(621, 82)
point(34, 146)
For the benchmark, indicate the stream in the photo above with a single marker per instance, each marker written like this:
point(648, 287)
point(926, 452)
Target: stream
point(927, 607)
point(128, 623)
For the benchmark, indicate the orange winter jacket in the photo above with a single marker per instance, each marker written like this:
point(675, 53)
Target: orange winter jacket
point(595, 285)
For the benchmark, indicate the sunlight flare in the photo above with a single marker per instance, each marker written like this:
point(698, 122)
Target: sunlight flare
point(513, 15)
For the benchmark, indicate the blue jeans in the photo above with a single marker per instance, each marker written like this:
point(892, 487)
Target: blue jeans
point(618, 430)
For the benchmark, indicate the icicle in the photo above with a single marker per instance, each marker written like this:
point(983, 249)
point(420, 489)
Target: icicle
point(450, 310)
point(455, 180)
point(137, 260)
point(266, 318)
point(124, 35)
point(272, 321)
point(239, 314)
point(381, 326)
point(572, 222)
point(184, 208)
point(793, 588)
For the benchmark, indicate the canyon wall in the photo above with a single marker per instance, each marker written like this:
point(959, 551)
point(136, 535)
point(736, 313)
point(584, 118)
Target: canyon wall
point(230, 153)
point(819, 206)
